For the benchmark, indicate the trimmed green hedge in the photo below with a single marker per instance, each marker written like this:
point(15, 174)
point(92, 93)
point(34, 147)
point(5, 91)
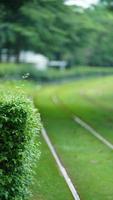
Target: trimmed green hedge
point(19, 126)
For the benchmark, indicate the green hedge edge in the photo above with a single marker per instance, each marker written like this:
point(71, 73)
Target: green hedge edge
point(19, 145)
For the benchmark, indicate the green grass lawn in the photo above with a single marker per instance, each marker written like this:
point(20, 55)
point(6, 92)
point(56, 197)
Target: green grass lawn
point(87, 160)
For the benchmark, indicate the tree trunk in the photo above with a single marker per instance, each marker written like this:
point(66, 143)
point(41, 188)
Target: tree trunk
point(8, 55)
point(17, 50)
point(17, 56)
point(58, 56)
point(0, 54)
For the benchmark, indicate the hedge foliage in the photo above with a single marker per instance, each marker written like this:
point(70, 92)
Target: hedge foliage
point(19, 126)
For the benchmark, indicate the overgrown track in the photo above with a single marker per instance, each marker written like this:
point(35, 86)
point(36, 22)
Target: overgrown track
point(68, 118)
point(81, 122)
point(60, 166)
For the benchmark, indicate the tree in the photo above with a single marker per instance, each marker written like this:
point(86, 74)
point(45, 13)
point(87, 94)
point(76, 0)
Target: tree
point(38, 26)
point(13, 5)
point(58, 31)
point(108, 4)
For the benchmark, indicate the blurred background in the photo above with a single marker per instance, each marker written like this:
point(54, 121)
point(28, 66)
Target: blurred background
point(44, 37)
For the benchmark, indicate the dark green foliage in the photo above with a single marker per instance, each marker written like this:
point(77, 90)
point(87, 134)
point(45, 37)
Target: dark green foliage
point(13, 5)
point(108, 4)
point(19, 126)
point(61, 32)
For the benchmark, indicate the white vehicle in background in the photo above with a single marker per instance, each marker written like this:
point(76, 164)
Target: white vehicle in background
point(40, 61)
point(58, 64)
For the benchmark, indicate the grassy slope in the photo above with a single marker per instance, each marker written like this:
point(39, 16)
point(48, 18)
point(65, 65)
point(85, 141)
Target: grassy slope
point(88, 162)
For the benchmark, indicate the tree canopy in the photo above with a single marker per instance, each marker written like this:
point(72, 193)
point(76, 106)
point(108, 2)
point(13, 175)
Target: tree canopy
point(58, 31)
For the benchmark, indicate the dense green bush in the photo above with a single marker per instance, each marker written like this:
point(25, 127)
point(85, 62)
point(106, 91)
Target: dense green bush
point(19, 126)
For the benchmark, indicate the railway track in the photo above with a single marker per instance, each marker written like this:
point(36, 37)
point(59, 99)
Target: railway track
point(60, 166)
point(56, 100)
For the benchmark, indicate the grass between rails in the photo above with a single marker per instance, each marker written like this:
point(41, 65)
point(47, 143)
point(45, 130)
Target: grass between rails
point(48, 181)
point(92, 101)
point(87, 160)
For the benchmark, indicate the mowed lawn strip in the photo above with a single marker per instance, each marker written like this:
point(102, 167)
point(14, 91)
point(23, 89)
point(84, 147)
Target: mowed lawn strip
point(87, 160)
